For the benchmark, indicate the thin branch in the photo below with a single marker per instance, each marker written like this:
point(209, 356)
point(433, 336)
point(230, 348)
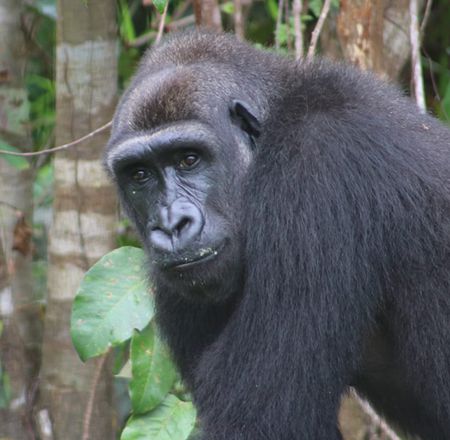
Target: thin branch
point(61, 147)
point(181, 10)
point(375, 419)
point(90, 405)
point(142, 40)
point(415, 55)
point(278, 26)
point(161, 24)
point(434, 85)
point(318, 29)
point(12, 207)
point(297, 13)
point(426, 16)
point(182, 22)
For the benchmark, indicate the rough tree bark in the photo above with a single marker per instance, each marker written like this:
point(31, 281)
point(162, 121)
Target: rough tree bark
point(19, 340)
point(207, 14)
point(74, 405)
point(372, 34)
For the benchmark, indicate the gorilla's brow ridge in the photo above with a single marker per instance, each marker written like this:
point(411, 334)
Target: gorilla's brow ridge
point(194, 132)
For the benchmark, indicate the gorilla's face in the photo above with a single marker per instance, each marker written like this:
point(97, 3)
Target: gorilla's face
point(180, 182)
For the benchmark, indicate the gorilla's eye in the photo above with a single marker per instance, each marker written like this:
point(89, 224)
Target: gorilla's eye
point(140, 175)
point(188, 161)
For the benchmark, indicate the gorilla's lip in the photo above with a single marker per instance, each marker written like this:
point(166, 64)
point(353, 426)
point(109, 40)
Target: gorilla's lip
point(202, 256)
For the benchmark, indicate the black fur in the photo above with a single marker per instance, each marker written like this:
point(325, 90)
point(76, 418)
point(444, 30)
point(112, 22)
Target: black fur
point(340, 273)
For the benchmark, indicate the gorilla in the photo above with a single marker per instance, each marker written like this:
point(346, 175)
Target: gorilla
point(296, 218)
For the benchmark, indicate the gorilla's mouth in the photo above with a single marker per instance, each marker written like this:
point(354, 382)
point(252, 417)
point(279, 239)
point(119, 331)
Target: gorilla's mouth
point(202, 256)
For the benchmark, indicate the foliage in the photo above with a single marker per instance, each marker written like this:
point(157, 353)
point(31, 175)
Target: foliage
point(42, 95)
point(112, 307)
point(112, 301)
point(5, 388)
point(160, 5)
point(172, 420)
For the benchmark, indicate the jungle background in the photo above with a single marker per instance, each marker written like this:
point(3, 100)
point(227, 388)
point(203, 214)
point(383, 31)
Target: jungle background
point(63, 66)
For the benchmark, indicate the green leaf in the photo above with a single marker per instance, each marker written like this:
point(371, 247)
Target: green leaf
point(316, 7)
point(160, 5)
point(126, 22)
point(121, 357)
point(16, 161)
point(228, 8)
point(445, 103)
point(5, 388)
point(112, 301)
point(152, 368)
point(272, 8)
point(172, 420)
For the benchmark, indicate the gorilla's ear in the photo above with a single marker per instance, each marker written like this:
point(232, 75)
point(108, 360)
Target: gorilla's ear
point(245, 118)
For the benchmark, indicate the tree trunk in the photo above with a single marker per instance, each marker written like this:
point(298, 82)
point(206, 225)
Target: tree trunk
point(207, 14)
point(373, 35)
point(76, 398)
point(20, 336)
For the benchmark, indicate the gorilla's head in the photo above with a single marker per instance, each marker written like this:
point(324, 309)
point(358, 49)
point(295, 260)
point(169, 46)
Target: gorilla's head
point(182, 141)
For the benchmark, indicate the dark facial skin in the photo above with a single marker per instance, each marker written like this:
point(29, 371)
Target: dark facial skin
point(180, 185)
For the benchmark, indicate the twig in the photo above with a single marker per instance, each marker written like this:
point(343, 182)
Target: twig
point(142, 40)
point(415, 56)
point(61, 147)
point(434, 85)
point(181, 10)
point(12, 207)
point(278, 26)
point(90, 405)
point(182, 22)
point(297, 13)
point(318, 29)
point(426, 16)
point(161, 24)
point(374, 417)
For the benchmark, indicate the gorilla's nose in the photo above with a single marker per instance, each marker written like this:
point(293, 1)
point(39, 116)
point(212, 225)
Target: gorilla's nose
point(176, 226)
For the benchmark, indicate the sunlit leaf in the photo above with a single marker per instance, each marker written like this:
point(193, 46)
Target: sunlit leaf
point(160, 5)
point(112, 301)
point(172, 420)
point(228, 8)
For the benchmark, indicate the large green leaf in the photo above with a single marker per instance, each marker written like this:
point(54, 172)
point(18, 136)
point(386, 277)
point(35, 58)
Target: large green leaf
point(112, 301)
point(172, 420)
point(152, 369)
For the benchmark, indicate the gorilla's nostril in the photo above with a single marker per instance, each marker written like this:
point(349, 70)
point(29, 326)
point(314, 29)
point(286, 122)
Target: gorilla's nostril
point(181, 225)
